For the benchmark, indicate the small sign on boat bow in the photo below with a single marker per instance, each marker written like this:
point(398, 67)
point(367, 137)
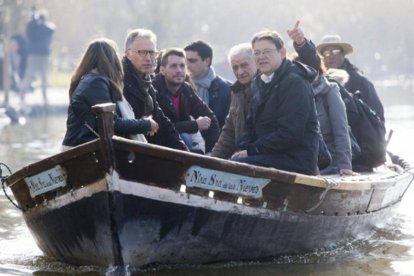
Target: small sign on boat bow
point(46, 181)
point(199, 177)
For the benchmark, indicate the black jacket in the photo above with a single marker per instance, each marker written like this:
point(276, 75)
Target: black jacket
point(167, 135)
point(308, 55)
point(95, 89)
point(219, 98)
point(358, 82)
point(283, 119)
point(190, 105)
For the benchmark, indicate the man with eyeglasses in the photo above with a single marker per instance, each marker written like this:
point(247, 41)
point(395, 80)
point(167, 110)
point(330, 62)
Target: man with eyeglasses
point(138, 64)
point(333, 51)
point(179, 102)
point(212, 89)
point(281, 130)
point(242, 61)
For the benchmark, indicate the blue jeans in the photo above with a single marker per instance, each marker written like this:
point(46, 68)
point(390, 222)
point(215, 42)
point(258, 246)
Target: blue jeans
point(187, 140)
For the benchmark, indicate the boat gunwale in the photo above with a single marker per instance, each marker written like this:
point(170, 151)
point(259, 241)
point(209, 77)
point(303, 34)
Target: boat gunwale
point(333, 182)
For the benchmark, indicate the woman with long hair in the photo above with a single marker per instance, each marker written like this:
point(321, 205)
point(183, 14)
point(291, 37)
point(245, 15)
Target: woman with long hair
point(99, 79)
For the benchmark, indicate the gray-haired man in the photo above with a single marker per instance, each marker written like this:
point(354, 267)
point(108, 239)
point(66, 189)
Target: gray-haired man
point(241, 59)
point(139, 64)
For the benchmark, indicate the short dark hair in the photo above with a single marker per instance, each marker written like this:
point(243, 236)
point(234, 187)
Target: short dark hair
point(171, 52)
point(202, 48)
point(270, 35)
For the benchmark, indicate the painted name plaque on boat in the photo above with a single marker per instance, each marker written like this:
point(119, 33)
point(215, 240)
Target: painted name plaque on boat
point(199, 177)
point(46, 181)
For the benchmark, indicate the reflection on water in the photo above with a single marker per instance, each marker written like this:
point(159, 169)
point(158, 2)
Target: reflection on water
point(388, 251)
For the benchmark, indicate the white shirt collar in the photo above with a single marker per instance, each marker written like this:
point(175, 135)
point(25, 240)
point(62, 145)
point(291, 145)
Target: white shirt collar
point(266, 78)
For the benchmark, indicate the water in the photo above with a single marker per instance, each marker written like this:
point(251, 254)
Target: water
point(390, 251)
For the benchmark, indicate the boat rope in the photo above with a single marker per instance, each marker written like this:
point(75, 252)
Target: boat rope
point(3, 182)
point(330, 183)
point(91, 129)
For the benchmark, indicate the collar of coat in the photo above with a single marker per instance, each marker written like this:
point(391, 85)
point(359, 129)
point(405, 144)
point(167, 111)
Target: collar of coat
point(132, 78)
point(162, 89)
point(348, 66)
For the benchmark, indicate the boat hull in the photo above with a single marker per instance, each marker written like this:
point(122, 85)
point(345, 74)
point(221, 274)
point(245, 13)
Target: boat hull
point(114, 201)
point(167, 227)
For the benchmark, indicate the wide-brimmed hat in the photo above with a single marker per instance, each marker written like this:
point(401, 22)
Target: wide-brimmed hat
point(335, 40)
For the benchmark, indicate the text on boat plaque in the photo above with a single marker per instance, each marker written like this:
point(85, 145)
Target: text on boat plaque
point(46, 181)
point(199, 177)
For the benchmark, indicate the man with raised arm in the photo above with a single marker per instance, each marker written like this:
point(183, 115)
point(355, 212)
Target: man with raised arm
point(333, 50)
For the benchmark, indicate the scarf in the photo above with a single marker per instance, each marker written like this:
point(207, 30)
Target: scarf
point(320, 86)
point(140, 84)
point(128, 113)
point(204, 83)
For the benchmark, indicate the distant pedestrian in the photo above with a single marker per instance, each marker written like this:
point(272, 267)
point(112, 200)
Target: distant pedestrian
point(39, 34)
point(18, 60)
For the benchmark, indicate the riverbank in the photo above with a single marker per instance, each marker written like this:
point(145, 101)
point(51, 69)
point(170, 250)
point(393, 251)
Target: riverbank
point(33, 105)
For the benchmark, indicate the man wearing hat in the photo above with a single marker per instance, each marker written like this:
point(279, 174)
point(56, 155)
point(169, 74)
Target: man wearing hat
point(333, 51)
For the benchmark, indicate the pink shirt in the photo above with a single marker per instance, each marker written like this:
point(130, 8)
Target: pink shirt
point(175, 99)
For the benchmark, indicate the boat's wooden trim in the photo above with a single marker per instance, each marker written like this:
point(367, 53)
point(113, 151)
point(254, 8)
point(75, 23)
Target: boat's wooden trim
point(285, 190)
point(375, 180)
point(202, 160)
point(361, 182)
point(83, 166)
point(49, 162)
point(100, 185)
point(105, 114)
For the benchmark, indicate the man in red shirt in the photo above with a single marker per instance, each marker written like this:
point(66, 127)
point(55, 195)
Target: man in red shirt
point(181, 104)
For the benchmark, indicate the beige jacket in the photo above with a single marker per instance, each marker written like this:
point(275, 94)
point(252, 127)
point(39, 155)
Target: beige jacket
point(234, 123)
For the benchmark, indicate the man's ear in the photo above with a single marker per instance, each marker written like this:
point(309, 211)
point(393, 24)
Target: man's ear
point(208, 61)
point(128, 53)
point(283, 52)
point(162, 70)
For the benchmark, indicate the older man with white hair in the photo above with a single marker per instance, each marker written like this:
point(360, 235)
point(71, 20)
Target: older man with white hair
point(244, 68)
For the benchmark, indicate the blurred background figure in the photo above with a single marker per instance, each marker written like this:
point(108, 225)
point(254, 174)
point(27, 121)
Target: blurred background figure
point(39, 34)
point(18, 60)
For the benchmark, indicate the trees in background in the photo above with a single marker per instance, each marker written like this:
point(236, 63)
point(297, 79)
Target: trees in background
point(381, 33)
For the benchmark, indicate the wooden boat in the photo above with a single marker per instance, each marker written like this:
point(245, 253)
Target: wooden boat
point(115, 201)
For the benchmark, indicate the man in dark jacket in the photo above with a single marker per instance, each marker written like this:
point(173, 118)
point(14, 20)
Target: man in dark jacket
point(242, 61)
point(179, 101)
point(212, 89)
point(139, 64)
point(281, 130)
point(39, 33)
point(333, 51)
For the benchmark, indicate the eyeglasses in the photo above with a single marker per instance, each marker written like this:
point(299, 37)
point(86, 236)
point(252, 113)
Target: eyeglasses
point(144, 53)
point(333, 52)
point(265, 52)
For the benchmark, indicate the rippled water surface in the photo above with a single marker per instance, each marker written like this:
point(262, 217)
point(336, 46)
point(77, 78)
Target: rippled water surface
point(389, 251)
